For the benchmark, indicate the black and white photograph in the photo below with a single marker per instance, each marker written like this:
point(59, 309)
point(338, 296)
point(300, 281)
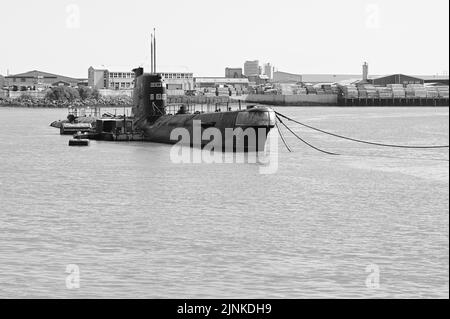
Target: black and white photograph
point(246, 150)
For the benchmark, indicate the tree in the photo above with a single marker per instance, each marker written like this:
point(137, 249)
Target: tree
point(63, 94)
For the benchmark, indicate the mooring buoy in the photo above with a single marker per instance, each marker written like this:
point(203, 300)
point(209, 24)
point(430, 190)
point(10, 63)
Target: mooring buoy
point(78, 142)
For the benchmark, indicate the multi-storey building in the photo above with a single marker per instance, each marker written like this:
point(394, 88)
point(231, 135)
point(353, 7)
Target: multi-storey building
point(251, 68)
point(103, 78)
point(234, 73)
point(268, 70)
point(37, 80)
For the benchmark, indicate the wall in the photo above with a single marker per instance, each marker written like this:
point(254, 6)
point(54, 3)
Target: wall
point(35, 94)
point(107, 92)
point(294, 100)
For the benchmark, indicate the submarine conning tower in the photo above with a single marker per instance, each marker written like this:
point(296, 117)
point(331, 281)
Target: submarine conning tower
point(149, 96)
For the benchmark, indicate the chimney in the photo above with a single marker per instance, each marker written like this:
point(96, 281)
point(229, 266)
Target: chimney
point(365, 74)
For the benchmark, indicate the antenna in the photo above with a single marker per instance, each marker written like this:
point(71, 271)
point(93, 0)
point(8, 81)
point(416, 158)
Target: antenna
point(154, 48)
point(151, 54)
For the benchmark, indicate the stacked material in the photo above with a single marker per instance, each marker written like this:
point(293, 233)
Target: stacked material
point(385, 92)
point(350, 91)
point(300, 91)
point(368, 91)
point(443, 91)
point(320, 92)
point(334, 90)
point(223, 91)
point(398, 91)
point(310, 89)
point(432, 92)
point(417, 89)
point(286, 89)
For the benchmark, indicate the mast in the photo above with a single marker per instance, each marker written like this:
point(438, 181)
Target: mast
point(154, 48)
point(151, 54)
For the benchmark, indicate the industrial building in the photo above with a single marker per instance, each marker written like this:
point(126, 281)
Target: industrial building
point(268, 70)
point(115, 79)
point(435, 79)
point(181, 81)
point(252, 68)
point(396, 79)
point(234, 73)
point(38, 80)
point(214, 82)
point(284, 77)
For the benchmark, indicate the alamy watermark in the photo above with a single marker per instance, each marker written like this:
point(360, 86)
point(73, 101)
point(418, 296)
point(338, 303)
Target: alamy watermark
point(238, 145)
point(373, 16)
point(373, 279)
point(73, 277)
point(73, 16)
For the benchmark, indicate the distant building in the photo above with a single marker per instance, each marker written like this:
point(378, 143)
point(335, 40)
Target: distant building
point(234, 73)
point(330, 78)
point(2, 81)
point(214, 82)
point(438, 79)
point(258, 79)
point(38, 80)
point(178, 80)
point(268, 70)
point(396, 79)
point(103, 78)
point(284, 77)
point(251, 68)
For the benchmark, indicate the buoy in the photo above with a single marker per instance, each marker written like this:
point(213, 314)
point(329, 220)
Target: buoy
point(78, 142)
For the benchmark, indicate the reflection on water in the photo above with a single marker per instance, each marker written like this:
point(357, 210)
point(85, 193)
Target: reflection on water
point(139, 226)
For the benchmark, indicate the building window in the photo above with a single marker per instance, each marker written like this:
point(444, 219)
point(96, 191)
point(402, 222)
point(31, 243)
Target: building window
point(23, 80)
point(152, 97)
point(158, 96)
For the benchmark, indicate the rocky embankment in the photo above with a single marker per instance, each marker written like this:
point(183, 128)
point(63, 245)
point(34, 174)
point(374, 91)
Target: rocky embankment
point(28, 101)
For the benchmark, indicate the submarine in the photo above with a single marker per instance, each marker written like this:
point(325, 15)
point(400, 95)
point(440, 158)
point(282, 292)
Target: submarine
point(242, 130)
point(237, 131)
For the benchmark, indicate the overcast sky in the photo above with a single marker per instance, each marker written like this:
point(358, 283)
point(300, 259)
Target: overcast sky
point(205, 36)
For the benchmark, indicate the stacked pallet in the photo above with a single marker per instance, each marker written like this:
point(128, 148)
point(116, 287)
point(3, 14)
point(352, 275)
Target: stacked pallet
point(385, 92)
point(367, 91)
point(350, 91)
point(334, 90)
point(443, 91)
point(398, 90)
point(310, 89)
point(432, 92)
point(320, 92)
point(300, 91)
point(418, 90)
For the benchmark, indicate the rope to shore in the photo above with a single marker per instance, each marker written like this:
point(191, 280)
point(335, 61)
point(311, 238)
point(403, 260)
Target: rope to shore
point(358, 140)
point(282, 138)
point(310, 145)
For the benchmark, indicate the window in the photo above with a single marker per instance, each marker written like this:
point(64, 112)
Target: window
point(158, 96)
point(152, 97)
point(23, 80)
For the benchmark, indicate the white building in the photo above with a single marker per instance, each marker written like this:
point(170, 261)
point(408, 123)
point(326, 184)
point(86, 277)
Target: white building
point(108, 78)
point(251, 68)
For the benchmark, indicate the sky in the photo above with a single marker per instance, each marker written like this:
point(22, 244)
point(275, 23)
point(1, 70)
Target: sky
point(205, 36)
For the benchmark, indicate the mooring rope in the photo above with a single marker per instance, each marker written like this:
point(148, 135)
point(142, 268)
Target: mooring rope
point(310, 145)
point(358, 140)
point(282, 138)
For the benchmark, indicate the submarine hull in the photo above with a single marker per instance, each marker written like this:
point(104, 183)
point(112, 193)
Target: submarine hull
point(238, 131)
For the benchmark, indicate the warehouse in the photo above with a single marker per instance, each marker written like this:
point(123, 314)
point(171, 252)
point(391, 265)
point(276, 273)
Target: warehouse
point(396, 79)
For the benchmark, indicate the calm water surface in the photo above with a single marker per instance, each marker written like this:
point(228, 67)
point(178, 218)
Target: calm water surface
point(138, 225)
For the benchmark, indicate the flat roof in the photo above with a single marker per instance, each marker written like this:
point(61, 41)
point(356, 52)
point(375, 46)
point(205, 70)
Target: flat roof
point(220, 80)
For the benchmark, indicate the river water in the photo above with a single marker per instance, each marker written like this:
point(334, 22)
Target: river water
point(373, 222)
